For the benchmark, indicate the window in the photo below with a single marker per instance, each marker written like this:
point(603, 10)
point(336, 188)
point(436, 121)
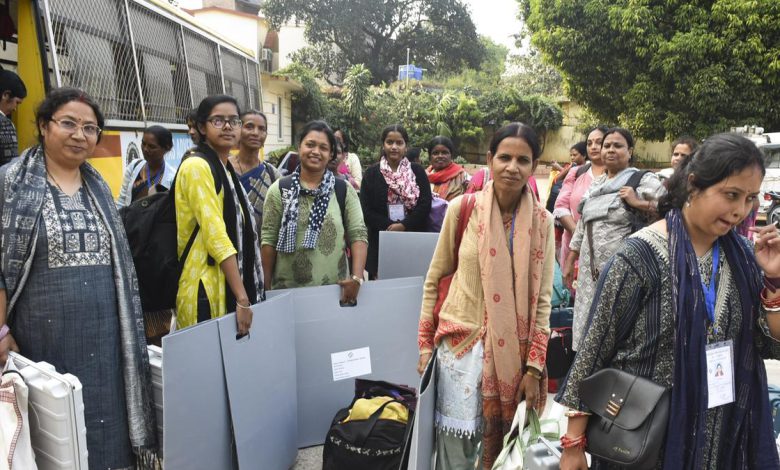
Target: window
point(279, 117)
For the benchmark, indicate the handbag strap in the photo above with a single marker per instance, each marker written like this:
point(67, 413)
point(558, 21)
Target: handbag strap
point(466, 208)
point(594, 272)
point(362, 434)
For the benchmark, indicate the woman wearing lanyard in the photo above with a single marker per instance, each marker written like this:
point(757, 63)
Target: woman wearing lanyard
point(678, 297)
point(492, 331)
point(144, 177)
point(395, 194)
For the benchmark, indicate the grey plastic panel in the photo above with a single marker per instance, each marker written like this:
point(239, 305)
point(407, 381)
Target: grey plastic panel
point(197, 431)
point(385, 320)
point(261, 384)
point(405, 254)
point(421, 445)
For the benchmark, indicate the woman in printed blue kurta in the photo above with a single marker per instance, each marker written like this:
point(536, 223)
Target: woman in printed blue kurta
point(650, 316)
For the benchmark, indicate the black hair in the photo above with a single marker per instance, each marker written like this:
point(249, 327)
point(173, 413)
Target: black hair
point(721, 156)
point(58, 98)
point(393, 128)
point(413, 154)
point(441, 140)
point(517, 129)
point(204, 110)
point(623, 132)
point(254, 112)
point(686, 140)
point(582, 148)
point(600, 127)
point(346, 137)
point(162, 135)
point(319, 126)
point(10, 82)
point(192, 116)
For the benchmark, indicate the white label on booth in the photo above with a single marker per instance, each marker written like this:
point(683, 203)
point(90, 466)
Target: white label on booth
point(349, 364)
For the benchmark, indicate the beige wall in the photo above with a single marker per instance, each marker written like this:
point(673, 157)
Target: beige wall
point(242, 30)
point(290, 40)
point(273, 90)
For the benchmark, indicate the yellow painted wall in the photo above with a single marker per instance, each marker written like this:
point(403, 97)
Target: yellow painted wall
point(111, 169)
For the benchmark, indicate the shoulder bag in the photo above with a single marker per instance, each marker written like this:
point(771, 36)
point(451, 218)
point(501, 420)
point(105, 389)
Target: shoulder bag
point(629, 416)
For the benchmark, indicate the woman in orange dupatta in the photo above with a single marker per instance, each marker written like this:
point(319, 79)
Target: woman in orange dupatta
point(491, 334)
point(447, 178)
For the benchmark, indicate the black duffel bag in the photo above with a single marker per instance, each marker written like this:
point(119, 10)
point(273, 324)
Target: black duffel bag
point(372, 443)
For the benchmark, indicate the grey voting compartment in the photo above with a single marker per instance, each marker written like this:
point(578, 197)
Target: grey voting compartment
point(420, 446)
point(197, 432)
point(405, 254)
point(261, 385)
point(384, 320)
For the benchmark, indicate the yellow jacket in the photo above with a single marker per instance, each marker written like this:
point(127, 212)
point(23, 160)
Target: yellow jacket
point(197, 202)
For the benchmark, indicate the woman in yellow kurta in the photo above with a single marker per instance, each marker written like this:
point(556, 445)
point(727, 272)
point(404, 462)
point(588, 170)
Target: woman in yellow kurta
point(222, 271)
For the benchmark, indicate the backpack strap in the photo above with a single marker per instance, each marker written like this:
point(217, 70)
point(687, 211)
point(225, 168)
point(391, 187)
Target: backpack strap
point(466, 208)
point(636, 179)
point(581, 170)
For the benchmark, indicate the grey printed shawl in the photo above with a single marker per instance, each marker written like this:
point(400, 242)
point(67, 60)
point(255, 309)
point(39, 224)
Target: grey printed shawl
point(21, 200)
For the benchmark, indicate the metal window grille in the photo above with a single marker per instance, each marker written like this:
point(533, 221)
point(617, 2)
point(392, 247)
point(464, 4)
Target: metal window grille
point(204, 67)
point(170, 68)
point(234, 70)
point(254, 85)
point(161, 65)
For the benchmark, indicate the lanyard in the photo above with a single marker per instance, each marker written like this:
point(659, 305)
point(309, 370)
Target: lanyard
point(150, 179)
point(711, 291)
point(512, 237)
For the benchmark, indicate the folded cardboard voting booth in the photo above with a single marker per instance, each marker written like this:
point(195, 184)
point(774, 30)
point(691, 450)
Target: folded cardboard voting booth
point(376, 339)
point(155, 364)
point(229, 402)
point(405, 254)
point(58, 431)
point(420, 446)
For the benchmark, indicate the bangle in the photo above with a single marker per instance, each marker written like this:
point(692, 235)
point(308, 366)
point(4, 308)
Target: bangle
point(575, 413)
point(579, 442)
point(4, 332)
point(766, 302)
point(533, 373)
point(357, 279)
point(245, 307)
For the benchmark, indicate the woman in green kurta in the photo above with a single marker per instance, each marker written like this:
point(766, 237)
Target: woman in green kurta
point(304, 238)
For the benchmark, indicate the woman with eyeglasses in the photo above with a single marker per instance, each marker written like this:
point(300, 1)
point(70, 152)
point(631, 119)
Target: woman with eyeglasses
point(216, 237)
point(68, 292)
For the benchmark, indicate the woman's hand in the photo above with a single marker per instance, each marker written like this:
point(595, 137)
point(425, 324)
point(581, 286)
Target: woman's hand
point(7, 344)
point(243, 317)
point(568, 269)
point(573, 459)
point(768, 249)
point(529, 391)
point(628, 195)
point(422, 363)
point(396, 227)
point(349, 291)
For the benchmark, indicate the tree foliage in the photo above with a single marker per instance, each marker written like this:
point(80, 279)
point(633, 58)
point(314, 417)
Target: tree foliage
point(665, 67)
point(440, 33)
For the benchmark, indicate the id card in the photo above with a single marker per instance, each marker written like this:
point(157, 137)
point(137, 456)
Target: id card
point(720, 373)
point(396, 212)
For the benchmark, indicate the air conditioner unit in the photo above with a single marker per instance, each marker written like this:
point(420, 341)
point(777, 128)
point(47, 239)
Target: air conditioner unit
point(267, 55)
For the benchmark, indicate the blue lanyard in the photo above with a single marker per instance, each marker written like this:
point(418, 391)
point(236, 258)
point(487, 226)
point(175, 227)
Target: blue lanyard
point(512, 236)
point(711, 291)
point(150, 178)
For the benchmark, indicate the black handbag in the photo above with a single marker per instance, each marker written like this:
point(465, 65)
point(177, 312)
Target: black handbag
point(629, 417)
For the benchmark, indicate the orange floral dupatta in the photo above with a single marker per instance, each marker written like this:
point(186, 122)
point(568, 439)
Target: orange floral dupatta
point(510, 338)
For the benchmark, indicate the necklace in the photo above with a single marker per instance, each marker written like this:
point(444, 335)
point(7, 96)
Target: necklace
point(55, 180)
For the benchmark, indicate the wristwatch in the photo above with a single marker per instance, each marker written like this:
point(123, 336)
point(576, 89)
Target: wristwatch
point(359, 280)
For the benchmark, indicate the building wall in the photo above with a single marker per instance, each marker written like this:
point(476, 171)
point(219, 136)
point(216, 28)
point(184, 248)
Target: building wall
point(240, 29)
point(291, 39)
point(273, 92)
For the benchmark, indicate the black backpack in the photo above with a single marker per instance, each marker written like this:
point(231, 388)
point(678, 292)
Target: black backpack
point(340, 189)
point(150, 224)
point(638, 220)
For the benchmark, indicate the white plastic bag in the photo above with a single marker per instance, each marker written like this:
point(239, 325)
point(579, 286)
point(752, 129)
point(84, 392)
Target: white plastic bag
point(516, 441)
point(15, 446)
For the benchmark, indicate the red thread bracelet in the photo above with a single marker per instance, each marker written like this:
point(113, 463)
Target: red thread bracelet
point(767, 302)
point(579, 442)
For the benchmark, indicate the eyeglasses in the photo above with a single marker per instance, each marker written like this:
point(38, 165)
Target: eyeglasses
point(220, 121)
point(89, 130)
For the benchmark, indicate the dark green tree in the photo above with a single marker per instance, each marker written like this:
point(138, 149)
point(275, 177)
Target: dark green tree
point(665, 67)
point(440, 33)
